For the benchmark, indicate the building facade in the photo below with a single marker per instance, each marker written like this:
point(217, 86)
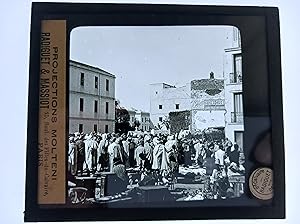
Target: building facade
point(142, 117)
point(91, 99)
point(165, 98)
point(233, 77)
point(204, 98)
point(207, 104)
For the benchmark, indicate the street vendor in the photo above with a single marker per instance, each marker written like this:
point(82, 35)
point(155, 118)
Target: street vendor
point(119, 182)
point(220, 183)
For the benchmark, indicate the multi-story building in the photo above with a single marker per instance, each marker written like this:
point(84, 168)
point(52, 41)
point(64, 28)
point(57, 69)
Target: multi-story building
point(234, 122)
point(165, 98)
point(142, 117)
point(207, 104)
point(91, 99)
point(204, 99)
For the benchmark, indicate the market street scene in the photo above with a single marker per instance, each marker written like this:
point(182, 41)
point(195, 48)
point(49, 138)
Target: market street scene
point(169, 167)
point(159, 138)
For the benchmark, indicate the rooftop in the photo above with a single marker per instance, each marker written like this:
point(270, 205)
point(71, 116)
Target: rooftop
point(165, 85)
point(90, 68)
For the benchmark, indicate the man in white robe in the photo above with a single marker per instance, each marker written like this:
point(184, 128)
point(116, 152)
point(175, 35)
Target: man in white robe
point(91, 146)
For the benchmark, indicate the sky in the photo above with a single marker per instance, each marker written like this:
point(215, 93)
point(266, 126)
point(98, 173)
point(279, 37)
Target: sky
point(139, 56)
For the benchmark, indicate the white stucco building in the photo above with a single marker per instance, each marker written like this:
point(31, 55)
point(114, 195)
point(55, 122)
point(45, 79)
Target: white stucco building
point(234, 116)
point(204, 98)
point(165, 98)
point(91, 99)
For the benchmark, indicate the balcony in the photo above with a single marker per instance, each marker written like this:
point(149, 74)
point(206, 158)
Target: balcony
point(235, 78)
point(237, 117)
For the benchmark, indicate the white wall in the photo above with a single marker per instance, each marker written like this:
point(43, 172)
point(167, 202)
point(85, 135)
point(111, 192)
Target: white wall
point(206, 119)
point(168, 98)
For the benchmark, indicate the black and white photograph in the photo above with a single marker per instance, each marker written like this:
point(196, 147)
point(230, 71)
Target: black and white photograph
point(155, 115)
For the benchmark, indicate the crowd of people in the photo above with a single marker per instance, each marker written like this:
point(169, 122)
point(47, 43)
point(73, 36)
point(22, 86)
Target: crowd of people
point(156, 156)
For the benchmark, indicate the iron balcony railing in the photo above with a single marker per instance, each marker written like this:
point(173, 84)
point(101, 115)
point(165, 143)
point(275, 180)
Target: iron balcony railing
point(235, 78)
point(237, 117)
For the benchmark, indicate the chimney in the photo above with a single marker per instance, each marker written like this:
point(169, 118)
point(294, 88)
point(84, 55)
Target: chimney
point(211, 75)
